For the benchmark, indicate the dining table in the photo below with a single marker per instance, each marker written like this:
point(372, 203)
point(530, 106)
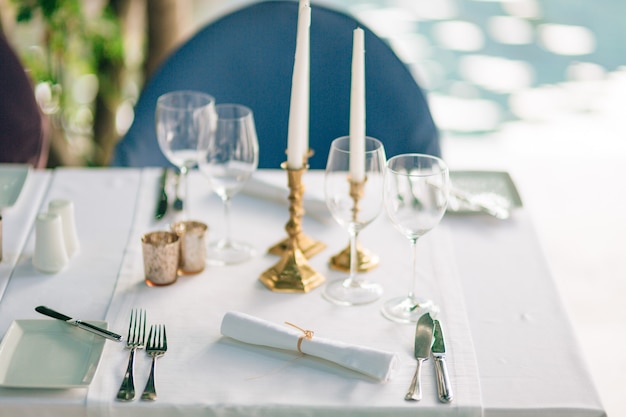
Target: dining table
point(511, 348)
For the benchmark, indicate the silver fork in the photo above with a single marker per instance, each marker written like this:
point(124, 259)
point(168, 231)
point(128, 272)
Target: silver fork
point(135, 340)
point(156, 347)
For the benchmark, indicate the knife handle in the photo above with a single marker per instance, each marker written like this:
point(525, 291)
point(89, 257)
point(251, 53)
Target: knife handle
point(444, 389)
point(415, 390)
point(162, 198)
point(102, 332)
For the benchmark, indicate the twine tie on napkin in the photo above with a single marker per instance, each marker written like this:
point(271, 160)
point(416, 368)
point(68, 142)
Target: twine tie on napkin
point(308, 334)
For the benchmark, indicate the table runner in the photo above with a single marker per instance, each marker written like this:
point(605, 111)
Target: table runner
point(203, 371)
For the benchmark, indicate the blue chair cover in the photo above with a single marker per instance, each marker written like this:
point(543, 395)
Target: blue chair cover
point(247, 57)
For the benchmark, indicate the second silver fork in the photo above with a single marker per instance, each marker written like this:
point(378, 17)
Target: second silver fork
point(156, 347)
point(136, 340)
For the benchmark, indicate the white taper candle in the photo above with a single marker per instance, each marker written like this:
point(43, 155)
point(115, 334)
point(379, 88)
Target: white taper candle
point(298, 131)
point(357, 108)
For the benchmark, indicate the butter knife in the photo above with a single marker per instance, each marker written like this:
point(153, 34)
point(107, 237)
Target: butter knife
point(423, 342)
point(162, 199)
point(81, 324)
point(444, 389)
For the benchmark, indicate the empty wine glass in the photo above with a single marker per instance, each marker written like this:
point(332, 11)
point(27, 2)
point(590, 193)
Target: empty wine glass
point(416, 197)
point(184, 122)
point(230, 159)
point(354, 196)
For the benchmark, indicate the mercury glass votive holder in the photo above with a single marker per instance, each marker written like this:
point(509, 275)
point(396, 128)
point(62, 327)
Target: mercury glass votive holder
point(161, 254)
point(192, 235)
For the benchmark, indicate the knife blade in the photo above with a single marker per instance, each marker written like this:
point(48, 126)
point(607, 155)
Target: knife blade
point(162, 199)
point(444, 389)
point(423, 343)
point(81, 324)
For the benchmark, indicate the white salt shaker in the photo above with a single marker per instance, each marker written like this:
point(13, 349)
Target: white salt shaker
point(50, 254)
point(65, 209)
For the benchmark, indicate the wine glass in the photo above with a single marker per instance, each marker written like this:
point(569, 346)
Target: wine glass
point(354, 196)
point(229, 161)
point(184, 121)
point(416, 197)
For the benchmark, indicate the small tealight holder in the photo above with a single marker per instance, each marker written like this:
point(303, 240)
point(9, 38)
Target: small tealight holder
point(161, 253)
point(50, 254)
point(293, 273)
point(192, 235)
point(65, 209)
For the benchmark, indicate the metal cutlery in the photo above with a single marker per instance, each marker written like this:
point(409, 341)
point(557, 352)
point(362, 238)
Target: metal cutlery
point(162, 198)
point(78, 323)
point(423, 343)
point(135, 340)
point(475, 202)
point(156, 347)
point(178, 201)
point(478, 203)
point(444, 389)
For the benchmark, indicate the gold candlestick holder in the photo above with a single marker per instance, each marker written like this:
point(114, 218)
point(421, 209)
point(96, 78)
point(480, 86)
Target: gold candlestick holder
point(309, 246)
point(292, 273)
point(366, 260)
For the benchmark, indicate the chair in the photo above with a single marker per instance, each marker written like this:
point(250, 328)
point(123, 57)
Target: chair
point(247, 57)
point(23, 137)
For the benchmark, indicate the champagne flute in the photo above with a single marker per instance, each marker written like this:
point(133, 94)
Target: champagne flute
point(416, 197)
point(354, 198)
point(230, 159)
point(184, 121)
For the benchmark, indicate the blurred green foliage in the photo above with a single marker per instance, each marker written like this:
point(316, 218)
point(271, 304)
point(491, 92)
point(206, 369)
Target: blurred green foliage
point(77, 42)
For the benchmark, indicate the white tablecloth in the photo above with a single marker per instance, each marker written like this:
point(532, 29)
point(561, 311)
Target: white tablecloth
point(492, 270)
point(17, 221)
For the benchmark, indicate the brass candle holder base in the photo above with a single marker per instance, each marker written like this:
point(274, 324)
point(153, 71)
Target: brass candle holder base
point(366, 260)
point(309, 246)
point(292, 273)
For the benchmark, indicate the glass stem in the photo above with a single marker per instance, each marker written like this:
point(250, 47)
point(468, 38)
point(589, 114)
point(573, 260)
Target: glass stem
point(353, 256)
point(413, 268)
point(226, 201)
point(183, 177)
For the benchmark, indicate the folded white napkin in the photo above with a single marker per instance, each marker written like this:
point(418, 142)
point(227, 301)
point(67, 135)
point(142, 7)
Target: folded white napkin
point(245, 328)
point(263, 188)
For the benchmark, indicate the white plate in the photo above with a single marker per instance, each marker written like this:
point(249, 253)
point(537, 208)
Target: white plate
point(49, 354)
point(12, 178)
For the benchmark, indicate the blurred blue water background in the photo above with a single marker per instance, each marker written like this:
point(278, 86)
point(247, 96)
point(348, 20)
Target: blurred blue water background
point(489, 62)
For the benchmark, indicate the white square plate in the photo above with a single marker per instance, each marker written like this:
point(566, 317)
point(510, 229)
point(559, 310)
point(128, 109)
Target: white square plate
point(49, 354)
point(12, 178)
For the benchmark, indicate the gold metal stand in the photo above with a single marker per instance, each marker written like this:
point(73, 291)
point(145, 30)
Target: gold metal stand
point(366, 260)
point(309, 246)
point(292, 273)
